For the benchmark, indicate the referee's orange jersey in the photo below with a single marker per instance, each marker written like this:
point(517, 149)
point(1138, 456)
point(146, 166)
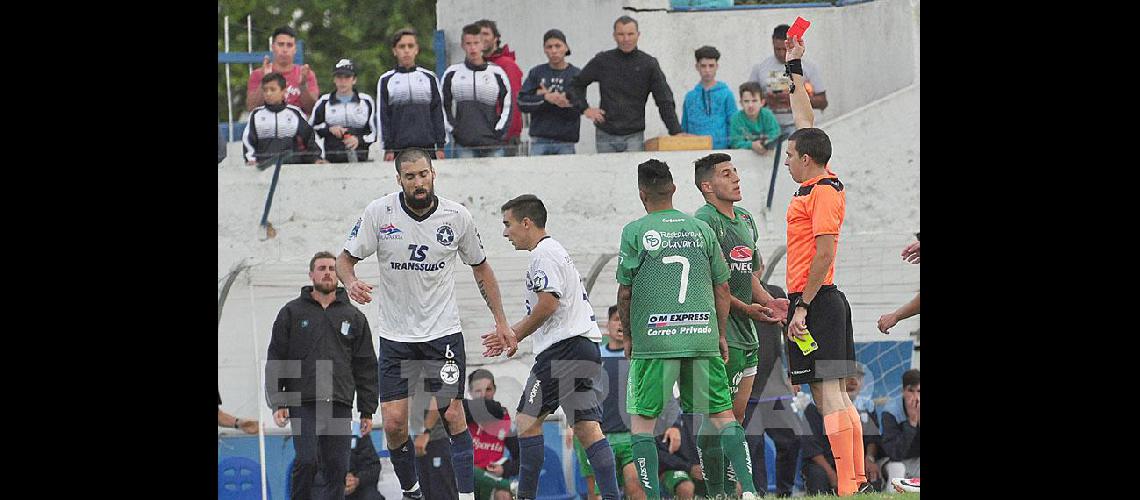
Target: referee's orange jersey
point(816, 208)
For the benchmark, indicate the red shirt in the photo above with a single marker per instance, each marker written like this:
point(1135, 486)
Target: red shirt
point(292, 89)
point(489, 441)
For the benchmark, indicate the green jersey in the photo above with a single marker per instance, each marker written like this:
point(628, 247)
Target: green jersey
point(737, 239)
point(671, 260)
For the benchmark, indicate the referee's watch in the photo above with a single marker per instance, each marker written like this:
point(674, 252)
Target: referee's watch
point(805, 305)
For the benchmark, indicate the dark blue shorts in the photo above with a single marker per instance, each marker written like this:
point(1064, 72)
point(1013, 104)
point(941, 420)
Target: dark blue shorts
point(563, 375)
point(438, 367)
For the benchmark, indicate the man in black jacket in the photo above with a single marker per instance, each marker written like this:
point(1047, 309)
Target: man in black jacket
point(321, 354)
point(625, 76)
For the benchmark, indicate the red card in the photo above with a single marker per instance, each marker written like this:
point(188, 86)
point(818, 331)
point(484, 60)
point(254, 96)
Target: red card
point(798, 28)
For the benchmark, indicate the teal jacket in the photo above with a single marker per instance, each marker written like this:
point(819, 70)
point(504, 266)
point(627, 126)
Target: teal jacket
point(709, 112)
point(744, 131)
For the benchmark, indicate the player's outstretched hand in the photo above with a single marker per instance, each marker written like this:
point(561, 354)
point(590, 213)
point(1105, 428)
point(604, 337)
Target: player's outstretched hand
point(780, 307)
point(492, 343)
point(761, 313)
point(910, 253)
point(795, 46)
point(360, 291)
point(510, 341)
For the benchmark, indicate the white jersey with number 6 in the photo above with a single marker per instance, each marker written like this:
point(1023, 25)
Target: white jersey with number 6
point(551, 270)
point(416, 292)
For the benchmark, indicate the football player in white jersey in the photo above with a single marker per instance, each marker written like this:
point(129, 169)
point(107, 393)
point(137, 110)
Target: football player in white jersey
point(416, 237)
point(567, 360)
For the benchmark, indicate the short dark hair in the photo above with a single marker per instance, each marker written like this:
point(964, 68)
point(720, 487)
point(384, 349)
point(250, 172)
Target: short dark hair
point(403, 32)
point(910, 377)
point(479, 374)
point(613, 310)
point(528, 206)
point(411, 155)
point(654, 178)
point(753, 87)
point(274, 77)
point(703, 167)
point(813, 142)
point(627, 20)
point(284, 30)
point(781, 32)
point(487, 23)
point(471, 29)
point(707, 52)
point(319, 255)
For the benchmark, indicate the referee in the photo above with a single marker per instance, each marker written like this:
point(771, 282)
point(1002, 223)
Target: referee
point(814, 217)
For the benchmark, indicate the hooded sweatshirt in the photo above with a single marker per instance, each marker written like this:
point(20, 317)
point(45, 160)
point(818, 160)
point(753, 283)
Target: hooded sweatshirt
point(505, 59)
point(709, 112)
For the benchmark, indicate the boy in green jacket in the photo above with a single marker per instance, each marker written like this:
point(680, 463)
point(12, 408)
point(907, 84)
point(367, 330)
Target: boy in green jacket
point(753, 127)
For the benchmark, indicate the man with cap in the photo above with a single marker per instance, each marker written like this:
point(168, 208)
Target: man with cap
point(553, 119)
point(343, 118)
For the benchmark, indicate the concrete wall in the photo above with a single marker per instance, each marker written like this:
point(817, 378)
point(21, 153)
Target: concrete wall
point(864, 51)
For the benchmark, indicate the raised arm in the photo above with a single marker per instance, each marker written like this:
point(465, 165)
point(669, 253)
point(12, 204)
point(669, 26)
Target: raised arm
point(802, 114)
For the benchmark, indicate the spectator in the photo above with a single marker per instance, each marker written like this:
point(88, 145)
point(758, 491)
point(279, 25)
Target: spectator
point(364, 469)
point(409, 96)
point(490, 426)
point(709, 107)
point(553, 119)
point(754, 126)
point(626, 76)
point(819, 464)
point(496, 52)
point(902, 431)
point(226, 420)
point(301, 89)
point(320, 336)
point(478, 107)
point(770, 407)
point(769, 73)
point(277, 128)
point(344, 118)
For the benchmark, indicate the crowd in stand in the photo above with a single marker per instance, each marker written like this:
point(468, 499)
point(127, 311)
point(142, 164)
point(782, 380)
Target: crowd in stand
point(476, 106)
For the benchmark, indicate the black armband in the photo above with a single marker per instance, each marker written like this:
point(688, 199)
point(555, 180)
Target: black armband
point(793, 67)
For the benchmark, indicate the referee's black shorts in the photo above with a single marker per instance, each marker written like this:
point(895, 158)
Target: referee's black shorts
point(829, 321)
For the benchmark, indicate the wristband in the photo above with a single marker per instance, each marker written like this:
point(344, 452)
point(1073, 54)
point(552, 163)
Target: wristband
point(793, 67)
point(236, 420)
point(805, 305)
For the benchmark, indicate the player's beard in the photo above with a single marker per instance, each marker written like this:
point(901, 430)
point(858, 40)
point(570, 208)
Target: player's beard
point(417, 204)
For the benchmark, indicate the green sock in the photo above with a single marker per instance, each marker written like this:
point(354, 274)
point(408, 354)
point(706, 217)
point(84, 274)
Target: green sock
point(711, 456)
point(735, 448)
point(645, 459)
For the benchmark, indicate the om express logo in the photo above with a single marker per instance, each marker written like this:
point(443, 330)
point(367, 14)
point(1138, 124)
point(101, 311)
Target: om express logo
point(678, 319)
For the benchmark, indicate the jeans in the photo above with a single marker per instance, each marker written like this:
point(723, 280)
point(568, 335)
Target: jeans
point(607, 143)
point(540, 146)
point(322, 440)
point(479, 151)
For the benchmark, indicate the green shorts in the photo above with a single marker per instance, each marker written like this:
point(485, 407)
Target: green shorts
point(741, 363)
point(670, 480)
point(703, 381)
point(622, 445)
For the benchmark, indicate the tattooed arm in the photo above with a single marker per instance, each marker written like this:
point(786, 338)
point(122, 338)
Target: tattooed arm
point(489, 289)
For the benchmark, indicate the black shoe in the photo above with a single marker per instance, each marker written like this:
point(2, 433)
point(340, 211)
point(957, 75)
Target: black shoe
point(865, 489)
